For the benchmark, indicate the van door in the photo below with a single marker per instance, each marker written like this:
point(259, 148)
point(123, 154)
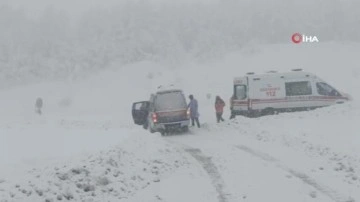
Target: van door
point(170, 106)
point(140, 112)
point(240, 99)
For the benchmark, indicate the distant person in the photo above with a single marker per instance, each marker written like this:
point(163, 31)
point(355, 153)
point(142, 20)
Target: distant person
point(231, 107)
point(219, 108)
point(38, 105)
point(194, 114)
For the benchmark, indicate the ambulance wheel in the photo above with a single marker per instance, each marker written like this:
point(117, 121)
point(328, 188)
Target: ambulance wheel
point(185, 129)
point(268, 111)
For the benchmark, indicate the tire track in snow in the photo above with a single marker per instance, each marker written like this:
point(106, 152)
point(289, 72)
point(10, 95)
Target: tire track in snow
point(335, 196)
point(212, 171)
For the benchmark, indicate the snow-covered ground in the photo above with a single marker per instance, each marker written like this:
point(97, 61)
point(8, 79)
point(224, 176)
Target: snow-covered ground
point(85, 146)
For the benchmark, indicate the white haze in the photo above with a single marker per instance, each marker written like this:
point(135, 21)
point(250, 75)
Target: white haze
point(105, 34)
point(86, 139)
point(75, 8)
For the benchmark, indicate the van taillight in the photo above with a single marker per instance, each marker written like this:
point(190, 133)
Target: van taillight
point(188, 113)
point(154, 118)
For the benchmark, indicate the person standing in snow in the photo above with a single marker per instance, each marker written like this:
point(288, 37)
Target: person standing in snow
point(231, 106)
point(38, 105)
point(194, 114)
point(219, 108)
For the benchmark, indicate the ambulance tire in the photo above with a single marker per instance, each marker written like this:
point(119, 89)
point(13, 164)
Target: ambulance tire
point(185, 129)
point(268, 111)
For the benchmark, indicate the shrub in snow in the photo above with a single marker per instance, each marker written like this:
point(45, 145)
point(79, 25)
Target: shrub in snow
point(103, 181)
point(68, 195)
point(59, 197)
point(78, 171)
point(39, 192)
point(63, 176)
point(88, 187)
point(313, 194)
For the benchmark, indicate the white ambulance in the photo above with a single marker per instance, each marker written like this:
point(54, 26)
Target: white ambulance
point(271, 93)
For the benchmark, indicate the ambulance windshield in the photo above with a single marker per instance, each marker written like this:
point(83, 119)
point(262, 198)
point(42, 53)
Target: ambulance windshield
point(327, 90)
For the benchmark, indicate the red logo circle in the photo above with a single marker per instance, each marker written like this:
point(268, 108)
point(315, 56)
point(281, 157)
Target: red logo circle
point(296, 38)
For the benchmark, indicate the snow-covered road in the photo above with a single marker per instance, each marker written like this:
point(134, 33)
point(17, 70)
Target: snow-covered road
point(244, 164)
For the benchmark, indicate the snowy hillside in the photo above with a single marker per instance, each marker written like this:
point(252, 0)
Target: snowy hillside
point(85, 146)
point(69, 39)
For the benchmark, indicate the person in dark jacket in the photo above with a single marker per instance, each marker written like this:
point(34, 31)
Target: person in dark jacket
point(219, 108)
point(231, 107)
point(194, 113)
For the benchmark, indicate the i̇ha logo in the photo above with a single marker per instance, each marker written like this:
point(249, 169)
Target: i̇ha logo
point(298, 38)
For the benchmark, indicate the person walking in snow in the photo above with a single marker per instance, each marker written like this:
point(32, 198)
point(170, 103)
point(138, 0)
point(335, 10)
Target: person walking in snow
point(219, 108)
point(38, 105)
point(194, 113)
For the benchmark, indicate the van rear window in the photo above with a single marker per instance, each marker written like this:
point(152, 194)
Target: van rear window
point(170, 101)
point(298, 88)
point(240, 92)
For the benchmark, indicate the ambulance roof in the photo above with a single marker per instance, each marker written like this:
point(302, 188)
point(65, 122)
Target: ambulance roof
point(286, 75)
point(168, 91)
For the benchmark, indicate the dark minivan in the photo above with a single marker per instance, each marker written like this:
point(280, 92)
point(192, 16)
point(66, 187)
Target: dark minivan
point(165, 112)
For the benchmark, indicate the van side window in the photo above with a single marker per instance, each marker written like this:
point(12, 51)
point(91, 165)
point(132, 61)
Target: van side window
point(325, 89)
point(298, 88)
point(240, 92)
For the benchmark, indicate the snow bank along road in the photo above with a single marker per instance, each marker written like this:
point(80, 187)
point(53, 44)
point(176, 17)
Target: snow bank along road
point(86, 148)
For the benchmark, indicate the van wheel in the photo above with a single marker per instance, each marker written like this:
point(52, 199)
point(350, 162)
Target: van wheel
point(162, 132)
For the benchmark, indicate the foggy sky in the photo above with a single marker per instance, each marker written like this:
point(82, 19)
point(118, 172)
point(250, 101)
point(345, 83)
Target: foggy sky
point(74, 8)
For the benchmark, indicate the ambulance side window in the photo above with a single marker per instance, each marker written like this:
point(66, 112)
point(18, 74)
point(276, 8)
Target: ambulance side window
point(325, 89)
point(240, 92)
point(298, 88)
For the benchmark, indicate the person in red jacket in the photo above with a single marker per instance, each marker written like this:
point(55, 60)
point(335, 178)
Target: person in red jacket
point(219, 108)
